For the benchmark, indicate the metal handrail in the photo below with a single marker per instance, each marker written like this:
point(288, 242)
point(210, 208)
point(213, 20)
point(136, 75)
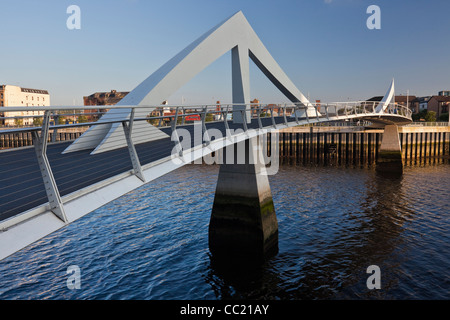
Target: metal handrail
point(157, 107)
point(352, 108)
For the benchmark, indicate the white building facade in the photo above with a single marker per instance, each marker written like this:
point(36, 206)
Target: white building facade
point(14, 96)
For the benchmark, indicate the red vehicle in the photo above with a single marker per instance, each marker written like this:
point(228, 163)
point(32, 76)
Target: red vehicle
point(193, 118)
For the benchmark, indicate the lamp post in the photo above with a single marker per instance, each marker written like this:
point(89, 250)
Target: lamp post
point(407, 98)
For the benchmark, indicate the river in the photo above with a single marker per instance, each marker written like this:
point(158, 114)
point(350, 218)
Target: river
point(334, 222)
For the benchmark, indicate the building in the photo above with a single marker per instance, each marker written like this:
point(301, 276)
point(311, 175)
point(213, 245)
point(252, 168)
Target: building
point(102, 99)
point(255, 104)
point(15, 96)
point(112, 98)
point(420, 104)
point(439, 104)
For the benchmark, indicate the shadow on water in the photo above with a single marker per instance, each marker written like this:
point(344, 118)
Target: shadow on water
point(240, 277)
point(368, 234)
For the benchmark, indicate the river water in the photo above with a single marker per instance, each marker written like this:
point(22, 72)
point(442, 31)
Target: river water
point(334, 222)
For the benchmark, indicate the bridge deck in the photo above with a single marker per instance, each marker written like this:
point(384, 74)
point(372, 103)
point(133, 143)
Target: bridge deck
point(22, 188)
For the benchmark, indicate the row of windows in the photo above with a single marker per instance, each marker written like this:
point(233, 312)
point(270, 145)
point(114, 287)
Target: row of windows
point(34, 113)
point(37, 98)
point(32, 105)
point(32, 98)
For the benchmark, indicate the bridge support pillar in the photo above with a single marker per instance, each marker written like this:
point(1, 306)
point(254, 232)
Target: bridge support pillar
point(243, 220)
point(390, 153)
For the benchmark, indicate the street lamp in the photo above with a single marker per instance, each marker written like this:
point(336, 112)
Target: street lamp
point(407, 98)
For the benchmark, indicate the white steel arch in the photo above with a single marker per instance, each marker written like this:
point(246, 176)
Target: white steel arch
point(235, 34)
point(387, 99)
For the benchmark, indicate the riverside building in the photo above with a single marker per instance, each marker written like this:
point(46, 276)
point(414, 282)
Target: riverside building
point(15, 96)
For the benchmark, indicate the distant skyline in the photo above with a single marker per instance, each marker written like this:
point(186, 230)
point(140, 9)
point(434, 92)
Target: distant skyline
point(324, 46)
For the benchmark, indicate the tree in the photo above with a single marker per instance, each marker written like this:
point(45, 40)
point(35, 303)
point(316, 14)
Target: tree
point(154, 122)
point(430, 116)
point(209, 117)
point(420, 115)
point(37, 122)
point(82, 119)
point(18, 122)
point(61, 120)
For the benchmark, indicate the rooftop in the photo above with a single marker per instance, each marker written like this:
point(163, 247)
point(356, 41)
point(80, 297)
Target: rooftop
point(38, 91)
point(441, 98)
point(34, 91)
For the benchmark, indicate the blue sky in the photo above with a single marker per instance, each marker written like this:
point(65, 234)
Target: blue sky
point(324, 46)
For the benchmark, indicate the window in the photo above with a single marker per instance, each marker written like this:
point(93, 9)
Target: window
point(37, 98)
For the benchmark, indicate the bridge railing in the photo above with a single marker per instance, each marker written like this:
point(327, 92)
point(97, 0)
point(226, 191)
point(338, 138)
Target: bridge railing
point(363, 108)
point(66, 118)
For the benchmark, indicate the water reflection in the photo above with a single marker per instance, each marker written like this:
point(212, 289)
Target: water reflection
point(241, 278)
point(376, 235)
point(368, 234)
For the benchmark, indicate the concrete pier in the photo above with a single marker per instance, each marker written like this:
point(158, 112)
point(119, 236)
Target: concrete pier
point(390, 153)
point(243, 220)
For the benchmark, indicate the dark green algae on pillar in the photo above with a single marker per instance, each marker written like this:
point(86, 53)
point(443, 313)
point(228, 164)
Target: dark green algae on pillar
point(243, 219)
point(390, 160)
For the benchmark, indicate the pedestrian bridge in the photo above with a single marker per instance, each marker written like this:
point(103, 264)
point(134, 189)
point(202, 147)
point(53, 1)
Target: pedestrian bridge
point(30, 207)
point(48, 185)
